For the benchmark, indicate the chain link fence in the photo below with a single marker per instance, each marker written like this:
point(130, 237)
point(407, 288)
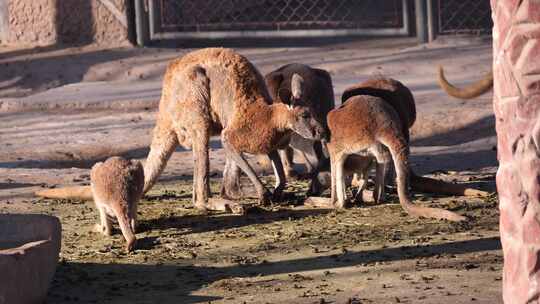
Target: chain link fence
point(200, 16)
point(464, 16)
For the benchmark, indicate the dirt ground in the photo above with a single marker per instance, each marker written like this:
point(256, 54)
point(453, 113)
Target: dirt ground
point(284, 253)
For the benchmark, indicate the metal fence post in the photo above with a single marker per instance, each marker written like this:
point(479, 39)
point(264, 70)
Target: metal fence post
point(421, 24)
point(4, 23)
point(431, 20)
point(141, 21)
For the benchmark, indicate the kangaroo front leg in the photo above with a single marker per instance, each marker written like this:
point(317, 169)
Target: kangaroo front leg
point(237, 157)
point(286, 156)
point(323, 164)
point(360, 181)
point(279, 173)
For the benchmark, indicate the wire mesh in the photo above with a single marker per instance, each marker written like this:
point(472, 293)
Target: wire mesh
point(464, 16)
point(234, 15)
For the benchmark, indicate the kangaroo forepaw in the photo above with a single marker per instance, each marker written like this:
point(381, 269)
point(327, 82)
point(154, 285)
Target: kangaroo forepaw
point(291, 174)
point(278, 193)
point(265, 199)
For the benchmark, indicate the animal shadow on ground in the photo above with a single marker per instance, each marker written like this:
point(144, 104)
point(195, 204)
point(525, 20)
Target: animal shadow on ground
point(204, 223)
point(140, 283)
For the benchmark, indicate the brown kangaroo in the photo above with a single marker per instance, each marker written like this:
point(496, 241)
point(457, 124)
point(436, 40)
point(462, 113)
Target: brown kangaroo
point(217, 91)
point(316, 92)
point(117, 185)
point(380, 125)
point(312, 89)
point(116, 188)
point(476, 89)
point(402, 100)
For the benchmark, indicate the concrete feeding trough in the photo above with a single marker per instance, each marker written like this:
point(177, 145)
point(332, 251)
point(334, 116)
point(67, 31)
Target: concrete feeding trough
point(29, 248)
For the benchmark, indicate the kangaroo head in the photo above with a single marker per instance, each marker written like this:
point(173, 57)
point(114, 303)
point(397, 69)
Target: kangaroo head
point(303, 119)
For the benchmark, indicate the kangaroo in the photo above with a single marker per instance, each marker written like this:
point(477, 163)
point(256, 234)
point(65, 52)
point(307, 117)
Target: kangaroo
point(316, 92)
point(116, 188)
point(312, 89)
point(476, 89)
point(216, 91)
point(380, 125)
point(117, 185)
point(401, 99)
point(356, 170)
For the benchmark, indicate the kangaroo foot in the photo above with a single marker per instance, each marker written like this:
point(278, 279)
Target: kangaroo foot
point(232, 192)
point(265, 199)
point(220, 204)
point(291, 174)
point(318, 202)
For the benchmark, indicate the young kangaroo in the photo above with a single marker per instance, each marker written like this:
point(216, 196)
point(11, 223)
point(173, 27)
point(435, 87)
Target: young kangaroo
point(117, 185)
point(380, 125)
point(217, 91)
point(312, 89)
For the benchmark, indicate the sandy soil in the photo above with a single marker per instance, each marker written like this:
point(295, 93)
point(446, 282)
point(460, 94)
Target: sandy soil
point(285, 253)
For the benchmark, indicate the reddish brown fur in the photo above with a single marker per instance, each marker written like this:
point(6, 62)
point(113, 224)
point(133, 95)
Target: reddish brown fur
point(117, 186)
point(393, 92)
point(213, 91)
point(402, 100)
point(474, 90)
point(380, 124)
point(317, 93)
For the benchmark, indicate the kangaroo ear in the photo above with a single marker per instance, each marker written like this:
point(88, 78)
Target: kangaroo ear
point(273, 82)
point(297, 86)
point(285, 96)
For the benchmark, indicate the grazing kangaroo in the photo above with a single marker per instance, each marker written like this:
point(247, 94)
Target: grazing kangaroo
point(217, 91)
point(116, 188)
point(117, 185)
point(358, 165)
point(476, 89)
point(312, 89)
point(401, 99)
point(380, 125)
point(316, 92)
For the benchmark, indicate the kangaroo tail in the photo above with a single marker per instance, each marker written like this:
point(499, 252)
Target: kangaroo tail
point(476, 89)
point(399, 151)
point(431, 185)
point(163, 145)
point(76, 192)
point(125, 226)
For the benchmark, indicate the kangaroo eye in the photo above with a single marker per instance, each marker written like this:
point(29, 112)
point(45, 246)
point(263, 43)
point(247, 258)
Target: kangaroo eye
point(305, 115)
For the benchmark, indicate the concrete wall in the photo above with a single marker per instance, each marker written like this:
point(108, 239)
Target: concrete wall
point(49, 22)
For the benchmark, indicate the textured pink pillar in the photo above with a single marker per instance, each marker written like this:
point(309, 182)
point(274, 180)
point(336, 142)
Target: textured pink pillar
point(516, 67)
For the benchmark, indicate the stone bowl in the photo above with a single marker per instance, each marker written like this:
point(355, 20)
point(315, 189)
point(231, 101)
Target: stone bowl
point(29, 248)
